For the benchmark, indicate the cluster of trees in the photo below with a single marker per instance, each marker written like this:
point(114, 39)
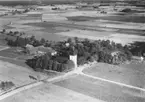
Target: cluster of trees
point(137, 48)
point(48, 62)
point(20, 39)
point(6, 85)
point(14, 12)
point(86, 50)
point(126, 10)
point(101, 51)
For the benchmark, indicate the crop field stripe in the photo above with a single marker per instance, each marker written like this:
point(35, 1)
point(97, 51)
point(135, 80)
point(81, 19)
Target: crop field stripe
point(113, 82)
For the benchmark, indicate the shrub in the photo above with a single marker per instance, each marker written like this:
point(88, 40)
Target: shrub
point(65, 67)
point(70, 65)
point(126, 10)
point(81, 60)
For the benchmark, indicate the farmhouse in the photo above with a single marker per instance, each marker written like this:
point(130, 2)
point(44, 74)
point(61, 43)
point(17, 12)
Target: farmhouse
point(30, 49)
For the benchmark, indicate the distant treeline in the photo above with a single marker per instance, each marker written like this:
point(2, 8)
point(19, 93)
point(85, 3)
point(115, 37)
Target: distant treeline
point(34, 2)
point(48, 2)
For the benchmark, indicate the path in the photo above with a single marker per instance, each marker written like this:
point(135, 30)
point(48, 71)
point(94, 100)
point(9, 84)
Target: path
point(80, 71)
point(4, 48)
point(65, 76)
point(22, 88)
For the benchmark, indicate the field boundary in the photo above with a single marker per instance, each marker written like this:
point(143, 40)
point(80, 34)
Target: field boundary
point(113, 82)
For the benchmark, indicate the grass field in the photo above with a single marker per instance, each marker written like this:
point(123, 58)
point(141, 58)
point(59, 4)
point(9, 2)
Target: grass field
point(101, 90)
point(51, 93)
point(17, 74)
point(131, 74)
point(13, 53)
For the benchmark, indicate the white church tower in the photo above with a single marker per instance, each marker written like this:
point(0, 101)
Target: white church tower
point(74, 59)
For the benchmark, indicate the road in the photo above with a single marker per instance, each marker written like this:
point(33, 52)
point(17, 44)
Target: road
point(3, 48)
point(76, 86)
point(29, 86)
point(77, 82)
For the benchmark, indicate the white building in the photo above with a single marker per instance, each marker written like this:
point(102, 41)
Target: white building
point(74, 59)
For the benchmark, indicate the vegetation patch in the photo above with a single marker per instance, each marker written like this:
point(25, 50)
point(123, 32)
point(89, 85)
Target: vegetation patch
point(105, 51)
point(80, 18)
point(4, 86)
point(86, 51)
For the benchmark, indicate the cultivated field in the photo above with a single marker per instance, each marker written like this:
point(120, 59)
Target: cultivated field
point(98, 83)
point(17, 74)
point(82, 23)
point(131, 74)
point(79, 89)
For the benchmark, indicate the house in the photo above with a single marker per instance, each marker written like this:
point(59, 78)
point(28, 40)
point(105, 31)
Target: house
point(43, 49)
point(40, 50)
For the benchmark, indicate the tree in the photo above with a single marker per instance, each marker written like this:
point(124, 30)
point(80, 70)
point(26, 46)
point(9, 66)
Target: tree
point(4, 30)
point(26, 10)
point(36, 43)
point(86, 42)
point(69, 40)
point(76, 40)
point(81, 60)
point(38, 63)
point(10, 32)
point(16, 32)
point(128, 54)
point(55, 63)
point(32, 38)
point(108, 58)
point(70, 65)
point(101, 56)
point(126, 10)
point(45, 60)
point(119, 46)
point(50, 64)
point(95, 57)
point(42, 41)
